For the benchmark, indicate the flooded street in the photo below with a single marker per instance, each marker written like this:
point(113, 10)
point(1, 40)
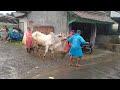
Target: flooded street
point(15, 63)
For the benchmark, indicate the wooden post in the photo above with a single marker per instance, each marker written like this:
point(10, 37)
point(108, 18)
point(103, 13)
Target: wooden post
point(68, 19)
point(93, 35)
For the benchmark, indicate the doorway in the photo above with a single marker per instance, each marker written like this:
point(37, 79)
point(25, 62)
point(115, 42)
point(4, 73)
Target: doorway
point(84, 27)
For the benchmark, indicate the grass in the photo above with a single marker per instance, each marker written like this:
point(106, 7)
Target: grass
point(17, 43)
point(13, 43)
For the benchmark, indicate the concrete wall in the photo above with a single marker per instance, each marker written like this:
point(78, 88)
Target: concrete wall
point(105, 39)
point(24, 20)
point(102, 39)
point(108, 42)
point(116, 48)
point(57, 19)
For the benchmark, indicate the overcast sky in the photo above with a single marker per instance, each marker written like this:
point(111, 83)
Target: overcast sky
point(4, 12)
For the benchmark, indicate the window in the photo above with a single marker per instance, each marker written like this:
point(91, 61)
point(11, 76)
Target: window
point(115, 27)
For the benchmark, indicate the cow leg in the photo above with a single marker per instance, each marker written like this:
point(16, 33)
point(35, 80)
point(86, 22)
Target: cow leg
point(53, 55)
point(34, 50)
point(46, 50)
point(39, 52)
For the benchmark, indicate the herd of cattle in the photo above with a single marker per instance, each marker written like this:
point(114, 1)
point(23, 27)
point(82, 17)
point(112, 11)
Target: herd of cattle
point(51, 41)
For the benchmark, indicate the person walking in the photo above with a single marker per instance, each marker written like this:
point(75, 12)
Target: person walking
point(28, 40)
point(68, 44)
point(76, 50)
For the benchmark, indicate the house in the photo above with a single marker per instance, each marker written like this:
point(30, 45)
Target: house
point(90, 23)
point(116, 17)
point(21, 17)
point(8, 21)
point(110, 35)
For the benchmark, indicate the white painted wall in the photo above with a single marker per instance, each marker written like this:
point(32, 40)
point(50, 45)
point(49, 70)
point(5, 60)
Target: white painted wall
point(25, 24)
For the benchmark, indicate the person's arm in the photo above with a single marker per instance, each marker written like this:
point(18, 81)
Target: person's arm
point(69, 39)
point(68, 36)
point(82, 40)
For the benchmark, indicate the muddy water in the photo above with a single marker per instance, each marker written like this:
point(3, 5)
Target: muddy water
point(15, 63)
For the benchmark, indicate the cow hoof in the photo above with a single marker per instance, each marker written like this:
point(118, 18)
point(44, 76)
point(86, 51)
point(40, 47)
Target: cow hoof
point(40, 55)
point(34, 54)
point(54, 59)
point(43, 58)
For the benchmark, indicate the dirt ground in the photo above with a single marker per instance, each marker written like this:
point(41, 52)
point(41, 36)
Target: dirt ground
point(15, 63)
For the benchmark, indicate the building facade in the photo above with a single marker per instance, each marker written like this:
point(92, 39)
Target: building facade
point(57, 19)
point(89, 22)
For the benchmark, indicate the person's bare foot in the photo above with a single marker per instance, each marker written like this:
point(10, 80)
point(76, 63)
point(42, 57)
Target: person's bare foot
point(78, 65)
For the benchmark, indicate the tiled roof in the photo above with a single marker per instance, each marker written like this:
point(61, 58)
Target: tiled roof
point(93, 16)
point(18, 14)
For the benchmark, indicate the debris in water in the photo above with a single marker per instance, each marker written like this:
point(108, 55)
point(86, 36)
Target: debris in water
point(51, 77)
point(36, 67)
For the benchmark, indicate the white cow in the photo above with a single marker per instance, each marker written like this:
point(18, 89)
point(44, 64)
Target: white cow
point(51, 41)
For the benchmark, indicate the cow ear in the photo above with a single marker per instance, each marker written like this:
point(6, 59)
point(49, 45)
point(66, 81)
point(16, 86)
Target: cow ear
point(60, 32)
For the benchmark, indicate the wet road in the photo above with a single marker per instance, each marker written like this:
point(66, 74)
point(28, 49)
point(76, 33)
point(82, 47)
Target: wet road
point(15, 63)
point(106, 69)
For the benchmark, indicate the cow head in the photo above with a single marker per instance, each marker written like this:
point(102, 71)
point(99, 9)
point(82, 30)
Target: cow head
point(61, 35)
point(35, 35)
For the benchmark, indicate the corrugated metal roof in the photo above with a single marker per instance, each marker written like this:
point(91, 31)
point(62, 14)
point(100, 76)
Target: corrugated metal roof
point(93, 16)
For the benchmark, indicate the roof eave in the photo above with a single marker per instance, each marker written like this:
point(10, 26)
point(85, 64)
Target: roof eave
point(111, 21)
